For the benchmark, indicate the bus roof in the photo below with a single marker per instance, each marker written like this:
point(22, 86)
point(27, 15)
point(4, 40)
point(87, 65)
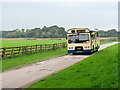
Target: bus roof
point(83, 29)
point(94, 30)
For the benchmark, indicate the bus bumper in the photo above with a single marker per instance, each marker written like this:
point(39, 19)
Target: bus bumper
point(83, 51)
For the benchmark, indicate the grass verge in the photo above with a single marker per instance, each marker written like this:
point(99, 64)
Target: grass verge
point(12, 63)
point(106, 42)
point(97, 71)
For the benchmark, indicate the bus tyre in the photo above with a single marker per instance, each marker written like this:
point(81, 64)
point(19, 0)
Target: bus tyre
point(90, 53)
point(93, 49)
point(97, 50)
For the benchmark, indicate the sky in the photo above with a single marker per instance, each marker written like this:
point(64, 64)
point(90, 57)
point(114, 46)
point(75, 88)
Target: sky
point(101, 14)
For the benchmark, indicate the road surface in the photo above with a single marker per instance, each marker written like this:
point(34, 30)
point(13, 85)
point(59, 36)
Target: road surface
point(24, 76)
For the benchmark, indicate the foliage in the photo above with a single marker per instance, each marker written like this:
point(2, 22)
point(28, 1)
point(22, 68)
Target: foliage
point(96, 71)
point(45, 32)
point(109, 33)
point(48, 32)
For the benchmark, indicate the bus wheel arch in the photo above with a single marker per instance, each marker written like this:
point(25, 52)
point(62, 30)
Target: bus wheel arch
point(93, 47)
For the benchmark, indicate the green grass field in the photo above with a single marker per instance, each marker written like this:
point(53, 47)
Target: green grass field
point(97, 71)
point(15, 43)
point(106, 42)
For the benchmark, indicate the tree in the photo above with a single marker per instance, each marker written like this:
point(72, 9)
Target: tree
point(112, 33)
point(23, 30)
point(43, 35)
point(49, 34)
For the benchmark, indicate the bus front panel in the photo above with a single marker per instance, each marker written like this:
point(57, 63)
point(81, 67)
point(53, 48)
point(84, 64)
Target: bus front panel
point(79, 43)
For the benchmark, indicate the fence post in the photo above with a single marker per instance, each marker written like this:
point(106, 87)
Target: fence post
point(63, 45)
point(60, 45)
point(40, 47)
point(49, 47)
point(3, 54)
point(26, 50)
point(53, 46)
point(23, 49)
point(56, 45)
point(36, 49)
point(12, 52)
point(45, 46)
point(19, 50)
point(31, 49)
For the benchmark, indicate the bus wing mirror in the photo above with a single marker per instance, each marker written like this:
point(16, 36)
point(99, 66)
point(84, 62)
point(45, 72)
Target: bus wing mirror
point(66, 38)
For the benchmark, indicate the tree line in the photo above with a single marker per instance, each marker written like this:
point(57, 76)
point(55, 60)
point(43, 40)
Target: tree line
point(109, 33)
point(49, 32)
point(45, 32)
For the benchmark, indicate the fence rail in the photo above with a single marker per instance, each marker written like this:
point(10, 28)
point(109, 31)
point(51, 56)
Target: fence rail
point(108, 39)
point(22, 50)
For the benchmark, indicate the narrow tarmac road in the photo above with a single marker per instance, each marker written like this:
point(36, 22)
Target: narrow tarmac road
point(24, 76)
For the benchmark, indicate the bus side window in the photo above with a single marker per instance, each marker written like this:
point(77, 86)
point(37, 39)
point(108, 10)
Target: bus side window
point(97, 35)
point(73, 31)
point(66, 38)
point(93, 36)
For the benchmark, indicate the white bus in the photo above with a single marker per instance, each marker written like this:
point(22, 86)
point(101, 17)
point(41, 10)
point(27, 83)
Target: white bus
point(82, 40)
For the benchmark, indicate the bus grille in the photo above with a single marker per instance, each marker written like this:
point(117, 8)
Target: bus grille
point(78, 48)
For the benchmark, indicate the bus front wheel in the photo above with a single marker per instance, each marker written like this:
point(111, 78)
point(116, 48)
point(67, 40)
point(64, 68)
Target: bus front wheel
point(93, 49)
point(97, 50)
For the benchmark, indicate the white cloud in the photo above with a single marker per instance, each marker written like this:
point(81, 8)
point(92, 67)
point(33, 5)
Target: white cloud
point(91, 14)
point(59, 0)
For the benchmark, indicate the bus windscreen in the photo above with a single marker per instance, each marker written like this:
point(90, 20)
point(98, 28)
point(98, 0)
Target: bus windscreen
point(83, 37)
point(78, 38)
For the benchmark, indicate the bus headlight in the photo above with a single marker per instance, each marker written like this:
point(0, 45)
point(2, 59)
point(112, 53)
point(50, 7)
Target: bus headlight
point(87, 46)
point(87, 41)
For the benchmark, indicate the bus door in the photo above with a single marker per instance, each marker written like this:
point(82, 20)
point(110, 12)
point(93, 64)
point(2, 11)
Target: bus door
point(95, 39)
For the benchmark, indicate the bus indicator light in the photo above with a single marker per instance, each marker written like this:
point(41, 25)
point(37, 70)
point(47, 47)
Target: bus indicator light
point(70, 47)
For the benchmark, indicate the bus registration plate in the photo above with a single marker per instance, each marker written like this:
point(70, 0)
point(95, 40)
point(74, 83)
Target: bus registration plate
point(79, 51)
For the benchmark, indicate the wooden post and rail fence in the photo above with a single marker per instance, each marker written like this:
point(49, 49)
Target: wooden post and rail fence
point(23, 50)
point(9, 52)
